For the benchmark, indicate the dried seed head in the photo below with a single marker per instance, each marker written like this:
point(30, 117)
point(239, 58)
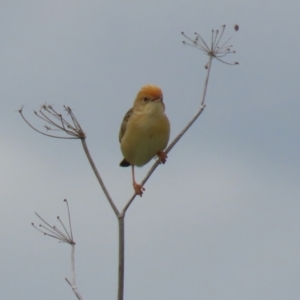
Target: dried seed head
point(55, 121)
point(64, 235)
point(214, 49)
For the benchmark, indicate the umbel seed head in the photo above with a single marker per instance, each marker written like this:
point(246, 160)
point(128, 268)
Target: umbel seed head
point(216, 48)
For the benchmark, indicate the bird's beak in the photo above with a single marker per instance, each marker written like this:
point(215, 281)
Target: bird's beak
point(158, 99)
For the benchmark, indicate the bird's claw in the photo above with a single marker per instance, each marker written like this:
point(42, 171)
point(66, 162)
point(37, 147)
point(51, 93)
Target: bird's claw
point(162, 156)
point(138, 188)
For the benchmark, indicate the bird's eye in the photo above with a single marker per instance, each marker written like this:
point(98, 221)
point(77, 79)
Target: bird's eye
point(146, 99)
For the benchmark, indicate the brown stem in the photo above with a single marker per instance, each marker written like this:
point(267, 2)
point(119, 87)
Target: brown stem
point(89, 157)
point(120, 222)
point(121, 257)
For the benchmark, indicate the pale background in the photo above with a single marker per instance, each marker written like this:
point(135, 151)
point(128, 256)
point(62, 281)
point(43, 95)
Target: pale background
point(221, 219)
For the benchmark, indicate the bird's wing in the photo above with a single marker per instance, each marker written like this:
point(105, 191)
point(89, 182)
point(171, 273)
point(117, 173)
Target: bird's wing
point(124, 124)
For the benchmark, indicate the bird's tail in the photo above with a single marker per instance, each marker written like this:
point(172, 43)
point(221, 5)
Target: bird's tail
point(124, 163)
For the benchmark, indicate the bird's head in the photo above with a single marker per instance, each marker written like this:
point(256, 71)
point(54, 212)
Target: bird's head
point(149, 99)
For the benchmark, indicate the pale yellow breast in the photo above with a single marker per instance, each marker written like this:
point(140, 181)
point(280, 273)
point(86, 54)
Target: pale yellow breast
point(145, 136)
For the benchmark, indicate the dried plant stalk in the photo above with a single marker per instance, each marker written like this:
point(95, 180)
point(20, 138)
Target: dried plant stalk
point(71, 129)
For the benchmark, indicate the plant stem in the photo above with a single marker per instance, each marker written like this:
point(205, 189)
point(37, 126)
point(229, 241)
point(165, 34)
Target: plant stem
point(89, 157)
point(73, 265)
point(73, 283)
point(121, 214)
point(120, 217)
point(206, 80)
point(121, 257)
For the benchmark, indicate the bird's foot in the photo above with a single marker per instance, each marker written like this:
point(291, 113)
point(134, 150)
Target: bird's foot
point(138, 188)
point(162, 156)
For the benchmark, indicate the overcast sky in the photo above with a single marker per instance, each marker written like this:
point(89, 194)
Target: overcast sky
point(221, 219)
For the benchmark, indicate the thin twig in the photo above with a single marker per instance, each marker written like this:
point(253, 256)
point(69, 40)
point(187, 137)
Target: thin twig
point(69, 217)
point(74, 288)
point(90, 159)
point(73, 284)
point(66, 231)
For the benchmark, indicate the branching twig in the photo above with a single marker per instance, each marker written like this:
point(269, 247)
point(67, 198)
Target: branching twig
point(64, 236)
point(55, 121)
point(51, 117)
point(72, 130)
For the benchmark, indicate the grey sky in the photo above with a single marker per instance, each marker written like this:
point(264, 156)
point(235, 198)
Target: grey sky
point(221, 219)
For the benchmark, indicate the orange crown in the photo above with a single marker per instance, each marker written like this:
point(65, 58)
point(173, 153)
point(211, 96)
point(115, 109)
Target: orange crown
point(152, 90)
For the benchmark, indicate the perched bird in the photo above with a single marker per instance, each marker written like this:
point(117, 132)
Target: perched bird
point(145, 131)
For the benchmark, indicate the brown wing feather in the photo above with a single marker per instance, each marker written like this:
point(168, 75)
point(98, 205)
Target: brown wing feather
point(124, 124)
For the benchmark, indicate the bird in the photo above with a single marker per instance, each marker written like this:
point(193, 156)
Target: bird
point(145, 131)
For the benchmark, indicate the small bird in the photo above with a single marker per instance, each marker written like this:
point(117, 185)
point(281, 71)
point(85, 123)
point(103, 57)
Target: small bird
point(145, 131)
